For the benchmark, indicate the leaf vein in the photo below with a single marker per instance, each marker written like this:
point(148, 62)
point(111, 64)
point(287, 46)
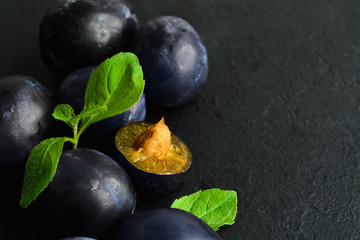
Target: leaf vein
point(207, 204)
point(208, 212)
point(193, 203)
point(108, 79)
point(44, 156)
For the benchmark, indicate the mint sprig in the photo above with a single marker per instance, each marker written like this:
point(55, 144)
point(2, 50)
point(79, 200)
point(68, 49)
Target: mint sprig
point(214, 206)
point(115, 86)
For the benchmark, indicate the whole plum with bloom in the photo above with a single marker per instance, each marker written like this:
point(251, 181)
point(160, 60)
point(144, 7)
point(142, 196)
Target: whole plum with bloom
point(80, 33)
point(25, 109)
point(88, 194)
point(174, 60)
point(72, 92)
point(163, 223)
point(78, 238)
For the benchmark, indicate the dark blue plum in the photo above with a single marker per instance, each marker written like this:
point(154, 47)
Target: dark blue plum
point(165, 223)
point(80, 33)
point(88, 194)
point(173, 58)
point(25, 119)
point(100, 135)
point(78, 238)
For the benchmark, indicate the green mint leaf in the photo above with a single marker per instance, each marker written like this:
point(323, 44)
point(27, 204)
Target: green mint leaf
point(216, 207)
point(114, 86)
point(40, 168)
point(65, 113)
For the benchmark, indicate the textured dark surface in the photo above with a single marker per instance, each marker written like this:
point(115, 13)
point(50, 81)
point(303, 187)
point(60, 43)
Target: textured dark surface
point(277, 119)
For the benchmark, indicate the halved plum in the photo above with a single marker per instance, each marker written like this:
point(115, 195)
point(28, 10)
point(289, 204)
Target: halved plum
point(156, 159)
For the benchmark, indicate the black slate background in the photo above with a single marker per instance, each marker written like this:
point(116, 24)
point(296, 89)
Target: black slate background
point(277, 120)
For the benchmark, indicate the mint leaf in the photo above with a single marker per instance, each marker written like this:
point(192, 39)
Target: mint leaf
point(216, 207)
point(40, 168)
point(65, 113)
point(114, 86)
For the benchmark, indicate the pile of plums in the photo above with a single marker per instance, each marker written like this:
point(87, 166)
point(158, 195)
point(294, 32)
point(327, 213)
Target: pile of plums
point(82, 33)
point(91, 194)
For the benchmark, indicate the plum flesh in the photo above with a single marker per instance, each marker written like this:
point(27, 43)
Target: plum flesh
point(165, 223)
point(174, 60)
point(80, 33)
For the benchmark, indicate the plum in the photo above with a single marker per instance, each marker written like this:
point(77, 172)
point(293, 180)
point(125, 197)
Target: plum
point(88, 194)
point(78, 238)
point(72, 88)
point(72, 92)
point(163, 223)
point(80, 33)
point(157, 160)
point(174, 60)
point(25, 109)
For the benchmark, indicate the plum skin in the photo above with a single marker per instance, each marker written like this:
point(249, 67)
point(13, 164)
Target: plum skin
point(88, 194)
point(100, 135)
point(78, 238)
point(80, 33)
point(163, 223)
point(25, 109)
point(174, 60)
